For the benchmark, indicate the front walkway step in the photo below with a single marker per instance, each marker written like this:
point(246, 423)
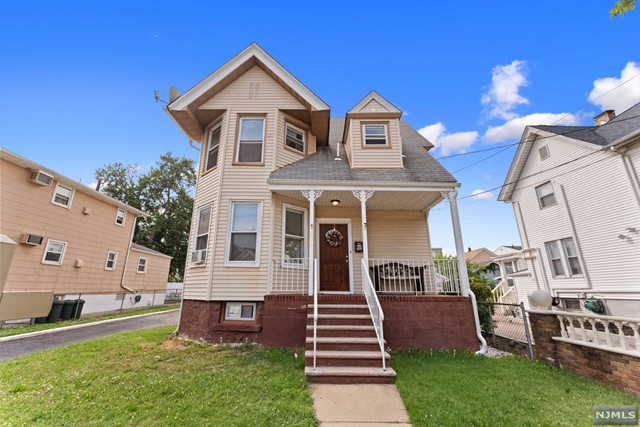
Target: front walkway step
point(361, 331)
point(340, 306)
point(350, 375)
point(363, 359)
point(343, 343)
point(341, 319)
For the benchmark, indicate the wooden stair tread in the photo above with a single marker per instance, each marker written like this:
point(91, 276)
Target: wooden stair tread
point(343, 327)
point(343, 340)
point(336, 354)
point(349, 372)
point(340, 316)
point(345, 306)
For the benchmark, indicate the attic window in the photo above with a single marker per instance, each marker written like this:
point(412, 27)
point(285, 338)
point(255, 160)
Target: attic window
point(544, 152)
point(375, 134)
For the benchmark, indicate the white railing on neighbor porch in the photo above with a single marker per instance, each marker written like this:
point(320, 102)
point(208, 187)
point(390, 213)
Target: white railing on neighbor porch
point(415, 276)
point(315, 310)
point(374, 308)
point(290, 276)
point(616, 334)
point(503, 293)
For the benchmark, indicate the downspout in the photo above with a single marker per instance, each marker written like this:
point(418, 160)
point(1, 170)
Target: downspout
point(631, 175)
point(126, 261)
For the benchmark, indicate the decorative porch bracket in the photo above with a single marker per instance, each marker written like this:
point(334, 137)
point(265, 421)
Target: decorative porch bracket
point(311, 196)
point(363, 196)
point(452, 197)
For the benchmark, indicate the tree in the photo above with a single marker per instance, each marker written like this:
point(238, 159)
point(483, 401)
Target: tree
point(164, 193)
point(621, 7)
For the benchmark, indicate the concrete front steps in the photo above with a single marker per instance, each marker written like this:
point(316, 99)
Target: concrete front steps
point(347, 346)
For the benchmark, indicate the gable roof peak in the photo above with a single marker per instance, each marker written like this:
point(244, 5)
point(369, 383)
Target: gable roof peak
point(373, 95)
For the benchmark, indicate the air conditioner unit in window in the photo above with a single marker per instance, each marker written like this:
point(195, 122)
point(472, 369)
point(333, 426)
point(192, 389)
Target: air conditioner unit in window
point(40, 178)
point(31, 239)
point(199, 256)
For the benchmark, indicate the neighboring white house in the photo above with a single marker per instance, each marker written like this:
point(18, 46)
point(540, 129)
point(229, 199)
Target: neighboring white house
point(576, 197)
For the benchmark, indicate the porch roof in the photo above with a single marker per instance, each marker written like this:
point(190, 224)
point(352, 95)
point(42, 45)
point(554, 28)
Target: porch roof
point(419, 166)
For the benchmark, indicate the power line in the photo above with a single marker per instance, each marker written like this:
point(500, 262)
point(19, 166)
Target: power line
point(482, 160)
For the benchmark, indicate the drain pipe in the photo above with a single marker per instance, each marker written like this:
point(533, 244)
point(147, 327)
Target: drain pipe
point(126, 260)
point(465, 288)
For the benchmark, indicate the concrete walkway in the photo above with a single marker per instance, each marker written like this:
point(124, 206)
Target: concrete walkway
point(17, 346)
point(351, 405)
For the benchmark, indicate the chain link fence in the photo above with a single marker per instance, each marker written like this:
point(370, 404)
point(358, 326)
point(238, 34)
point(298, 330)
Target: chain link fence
point(508, 327)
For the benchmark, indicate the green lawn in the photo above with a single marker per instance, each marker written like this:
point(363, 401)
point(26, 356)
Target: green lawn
point(144, 379)
point(8, 331)
point(443, 389)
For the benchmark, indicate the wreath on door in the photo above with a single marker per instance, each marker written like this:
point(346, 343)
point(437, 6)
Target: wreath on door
point(334, 238)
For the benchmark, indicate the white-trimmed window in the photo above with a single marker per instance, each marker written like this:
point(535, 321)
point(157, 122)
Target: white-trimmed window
point(62, 196)
point(571, 304)
point(244, 234)
point(112, 258)
point(295, 138)
point(546, 196)
point(54, 252)
point(555, 259)
point(142, 265)
point(250, 140)
point(121, 215)
point(375, 134)
point(213, 147)
point(571, 256)
point(244, 311)
point(294, 246)
point(202, 231)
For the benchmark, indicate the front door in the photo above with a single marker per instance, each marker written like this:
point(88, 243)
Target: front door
point(334, 258)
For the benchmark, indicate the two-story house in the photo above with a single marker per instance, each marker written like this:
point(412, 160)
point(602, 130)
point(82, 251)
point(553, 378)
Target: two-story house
point(576, 197)
point(293, 206)
point(69, 241)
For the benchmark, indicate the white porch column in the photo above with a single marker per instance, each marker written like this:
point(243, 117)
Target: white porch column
point(463, 274)
point(363, 196)
point(311, 196)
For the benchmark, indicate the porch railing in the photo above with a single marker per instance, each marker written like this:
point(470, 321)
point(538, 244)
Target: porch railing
point(414, 276)
point(290, 276)
point(374, 308)
point(617, 334)
point(315, 310)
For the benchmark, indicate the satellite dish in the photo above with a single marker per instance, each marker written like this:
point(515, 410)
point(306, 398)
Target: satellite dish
point(173, 94)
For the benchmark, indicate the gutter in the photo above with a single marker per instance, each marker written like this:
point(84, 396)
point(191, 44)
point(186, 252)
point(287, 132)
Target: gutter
point(476, 318)
point(284, 184)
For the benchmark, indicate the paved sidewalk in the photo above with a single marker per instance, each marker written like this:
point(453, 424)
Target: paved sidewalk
point(51, 338)
point(350, 405)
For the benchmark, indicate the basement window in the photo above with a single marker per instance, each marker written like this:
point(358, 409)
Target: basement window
point(571, 304)
point(240, 311)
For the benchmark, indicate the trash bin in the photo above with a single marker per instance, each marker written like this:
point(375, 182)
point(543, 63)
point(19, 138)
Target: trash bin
point(67, 309)
point(40, 320)
point(79, 304)
point(56, 310)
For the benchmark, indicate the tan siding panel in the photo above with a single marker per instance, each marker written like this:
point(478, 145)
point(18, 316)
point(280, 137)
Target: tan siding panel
point(376, 157)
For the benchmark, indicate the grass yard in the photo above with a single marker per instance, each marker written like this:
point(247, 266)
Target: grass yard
point(444, 389)
point(144, 379)
point(8, 331)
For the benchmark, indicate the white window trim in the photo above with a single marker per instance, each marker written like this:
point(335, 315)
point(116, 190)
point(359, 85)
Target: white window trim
point(196, 235)
point(264, 132)
point(305, 234)
point(115, 261)
point(364, 135)
point(55, 191)
point(256, 263)
point(146, 264)
point(555, 199)
point(44, 255)
point(550, 259)
point(304, 137)
point(565, 254)
point(206, 154)
point(240, 319)
point(124, 217)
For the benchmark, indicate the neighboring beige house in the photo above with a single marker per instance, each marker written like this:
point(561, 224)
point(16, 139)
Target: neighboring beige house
point(72, 241)
point(291, 202)
point(576, 197)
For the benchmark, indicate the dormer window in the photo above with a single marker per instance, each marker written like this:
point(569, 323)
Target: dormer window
point(250, 140)
point(375, 134)
point(295, 138)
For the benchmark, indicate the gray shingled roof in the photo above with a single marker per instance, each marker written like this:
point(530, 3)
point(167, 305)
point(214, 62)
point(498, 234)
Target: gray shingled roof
point(148, 250)
point(419, 165)
point(622, 125)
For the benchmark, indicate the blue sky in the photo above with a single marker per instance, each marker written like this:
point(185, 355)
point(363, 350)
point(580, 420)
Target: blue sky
point(78, 78)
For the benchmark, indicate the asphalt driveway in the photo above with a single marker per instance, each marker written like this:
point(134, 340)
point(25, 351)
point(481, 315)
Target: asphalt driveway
point(23, 346)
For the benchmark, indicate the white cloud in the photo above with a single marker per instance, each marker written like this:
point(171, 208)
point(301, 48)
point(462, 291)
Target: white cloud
point(448, 142)
point(622, 98)
point(503, 94)
point(481, 194)
point(513, 128)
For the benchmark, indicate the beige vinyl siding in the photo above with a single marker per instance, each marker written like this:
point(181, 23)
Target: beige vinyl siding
point(373, 106)
point(156, 276)
point(375, 157)
point(26, 208)
point(601, 205)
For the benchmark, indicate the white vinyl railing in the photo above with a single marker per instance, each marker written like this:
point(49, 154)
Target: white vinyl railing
point(617, 334)
point(375, 309)
point(503, 293)
point(315, 310)
point(415, 276)
point(290, 276)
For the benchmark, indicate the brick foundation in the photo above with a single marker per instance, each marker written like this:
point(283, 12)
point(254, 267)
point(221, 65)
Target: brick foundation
point(619, 370)
point(418, 322)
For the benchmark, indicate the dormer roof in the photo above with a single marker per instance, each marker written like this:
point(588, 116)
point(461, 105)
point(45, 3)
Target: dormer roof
point(374, 105)
point(184, 109)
